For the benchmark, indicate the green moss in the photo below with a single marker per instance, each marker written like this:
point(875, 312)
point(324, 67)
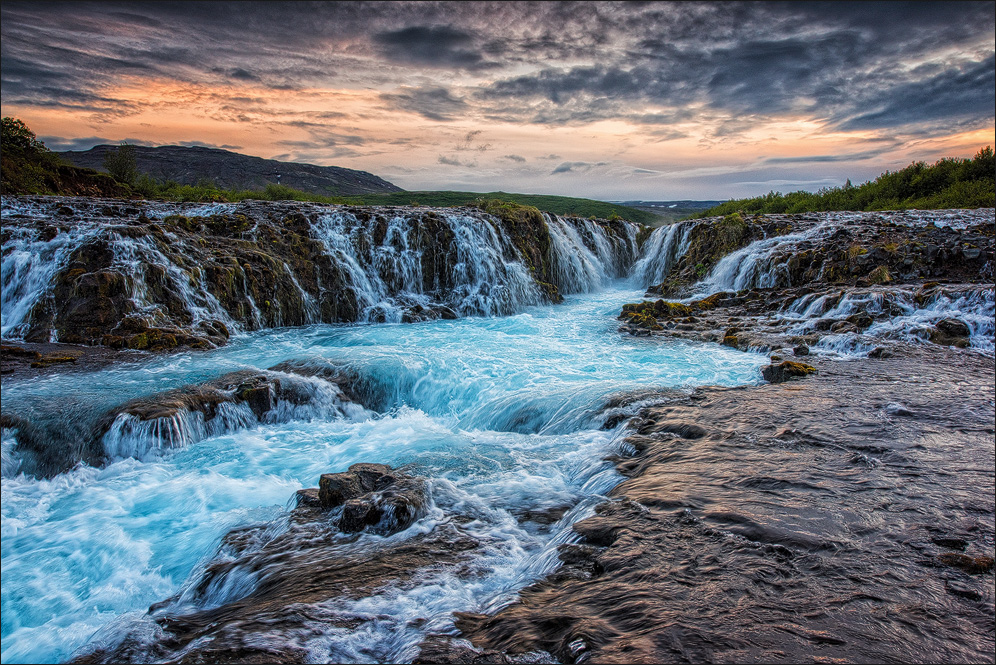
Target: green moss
point(880, 275)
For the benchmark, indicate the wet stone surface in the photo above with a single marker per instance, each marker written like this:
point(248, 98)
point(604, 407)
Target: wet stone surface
point(809, 520)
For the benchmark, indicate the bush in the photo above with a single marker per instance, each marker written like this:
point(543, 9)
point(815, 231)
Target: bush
point(121, 164)
point(948, 183)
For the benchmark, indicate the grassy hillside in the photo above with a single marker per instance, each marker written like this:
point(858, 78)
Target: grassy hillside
point(948, 183)
point(28, 167)
point(558, 205)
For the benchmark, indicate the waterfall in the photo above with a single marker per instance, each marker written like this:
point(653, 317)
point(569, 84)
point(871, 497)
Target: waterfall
point(662, 251)
point(181, 266)
point(761, 264)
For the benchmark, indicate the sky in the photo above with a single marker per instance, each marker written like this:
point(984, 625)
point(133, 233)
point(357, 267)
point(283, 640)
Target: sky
point(612, 101)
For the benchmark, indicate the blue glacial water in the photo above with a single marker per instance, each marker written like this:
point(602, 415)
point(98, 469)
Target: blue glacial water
point(501, 415)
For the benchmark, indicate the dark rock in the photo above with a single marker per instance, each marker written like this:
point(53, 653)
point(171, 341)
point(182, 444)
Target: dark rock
point(785, 371)
point(801, 350)
point(374, 495)
point(880, 352)
point(948, 541)
point(962, 590)
point(951, 332)
point(974, 565)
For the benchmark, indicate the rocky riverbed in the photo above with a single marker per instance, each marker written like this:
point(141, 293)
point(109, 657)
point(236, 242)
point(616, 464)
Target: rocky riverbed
point(578, 487)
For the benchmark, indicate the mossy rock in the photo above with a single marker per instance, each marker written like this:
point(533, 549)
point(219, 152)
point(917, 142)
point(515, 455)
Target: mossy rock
point(786, 370)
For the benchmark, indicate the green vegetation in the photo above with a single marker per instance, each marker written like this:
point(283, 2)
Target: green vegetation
point(121, 164)
point(558, 205)
point(28, 167)
point(948, 183)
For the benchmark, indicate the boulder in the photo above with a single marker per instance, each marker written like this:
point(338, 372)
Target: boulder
point(786, 370)
point(951, 332)
point(374, 495)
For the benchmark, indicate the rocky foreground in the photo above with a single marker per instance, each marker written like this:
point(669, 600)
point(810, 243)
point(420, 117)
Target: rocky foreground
point(842, 511)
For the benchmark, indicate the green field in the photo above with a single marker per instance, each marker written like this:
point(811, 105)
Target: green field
point(558, 205)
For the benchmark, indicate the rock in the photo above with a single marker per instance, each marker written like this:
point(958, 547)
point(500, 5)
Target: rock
point(785, 371)
point(976, 565)
point(897, 409)
point(374, 495)
point(801, 350)
point(962, 590)
point(951, 332)
point(880, 352)
point(843, 327)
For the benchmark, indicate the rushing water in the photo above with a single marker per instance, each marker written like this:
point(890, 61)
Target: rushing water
point(503, 415)
point(507, 418)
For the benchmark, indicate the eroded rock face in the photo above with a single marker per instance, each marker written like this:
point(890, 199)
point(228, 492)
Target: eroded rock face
point(153, 424)
point(157, 276)
point(854, 249)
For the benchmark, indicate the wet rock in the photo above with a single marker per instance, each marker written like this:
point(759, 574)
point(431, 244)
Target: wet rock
point(897, 409)
point(785, 371)
point(962, 590)
point(974, 565)
point(949, 541)
point(880, 352)
point(801, 350)
point(374, 495)
point(951, 332)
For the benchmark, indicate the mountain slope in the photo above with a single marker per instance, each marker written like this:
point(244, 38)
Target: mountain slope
point(231, 170)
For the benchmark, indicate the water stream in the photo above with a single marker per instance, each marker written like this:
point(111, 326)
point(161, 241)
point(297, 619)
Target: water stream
point(503, 415)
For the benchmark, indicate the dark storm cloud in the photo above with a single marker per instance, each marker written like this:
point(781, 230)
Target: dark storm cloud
point(952, 95)
point(857, 66)
point(571, 167)
point(452, 161)
point(434, 103)
point(844, 157)
point(202, 144)
point(435, 46)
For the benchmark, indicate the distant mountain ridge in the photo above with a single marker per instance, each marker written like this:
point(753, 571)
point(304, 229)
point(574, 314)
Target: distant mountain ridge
point(232, 170)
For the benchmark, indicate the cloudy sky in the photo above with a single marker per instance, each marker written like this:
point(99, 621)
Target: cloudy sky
point(610, 101)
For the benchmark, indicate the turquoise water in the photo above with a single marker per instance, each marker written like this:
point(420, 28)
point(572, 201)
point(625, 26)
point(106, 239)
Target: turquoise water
point(502, 415)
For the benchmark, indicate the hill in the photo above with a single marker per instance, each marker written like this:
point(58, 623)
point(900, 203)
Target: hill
point(558, 205)
point(234, 171)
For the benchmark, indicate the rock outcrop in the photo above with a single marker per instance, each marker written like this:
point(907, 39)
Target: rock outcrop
point(159, 276)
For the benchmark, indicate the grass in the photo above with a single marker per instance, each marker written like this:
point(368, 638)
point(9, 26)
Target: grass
point(948, 183)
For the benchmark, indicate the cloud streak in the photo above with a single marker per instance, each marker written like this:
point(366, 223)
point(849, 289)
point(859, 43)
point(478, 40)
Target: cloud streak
point(586, 82)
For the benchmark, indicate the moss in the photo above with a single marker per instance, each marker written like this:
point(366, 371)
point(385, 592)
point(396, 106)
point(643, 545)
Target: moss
point(796, 368)
point(707, 303)
point(880, 275)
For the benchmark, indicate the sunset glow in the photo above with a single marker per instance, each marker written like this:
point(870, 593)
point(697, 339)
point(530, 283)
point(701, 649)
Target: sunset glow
point(610, 101)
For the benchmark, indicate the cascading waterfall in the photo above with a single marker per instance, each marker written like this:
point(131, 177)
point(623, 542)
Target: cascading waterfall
point(661, 252)
point(389, 262)
point(898, 315)
point(761, 264)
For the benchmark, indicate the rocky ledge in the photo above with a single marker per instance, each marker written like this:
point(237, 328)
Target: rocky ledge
point(299, 566)
point(157, 276)
point(844, 518)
